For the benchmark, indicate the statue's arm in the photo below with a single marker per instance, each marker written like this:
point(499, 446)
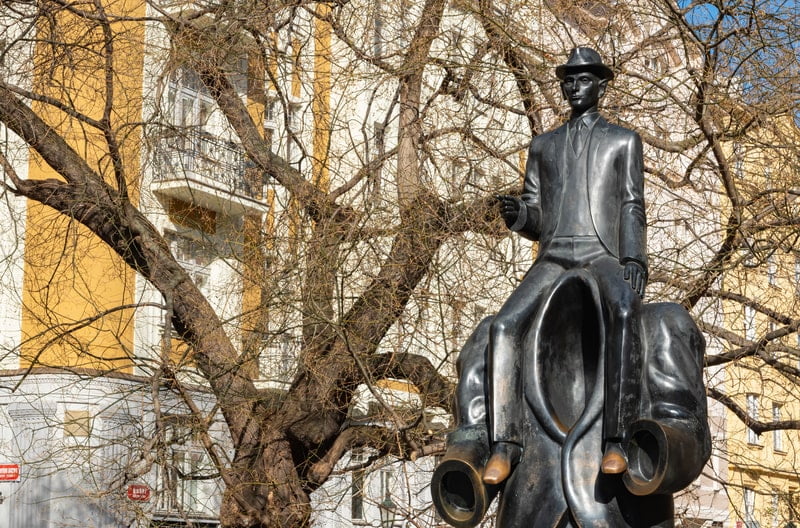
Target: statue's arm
point(523, 214)
point(633, 223)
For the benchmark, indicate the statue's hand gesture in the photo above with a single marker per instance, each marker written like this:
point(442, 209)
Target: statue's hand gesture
point(636, 276)
point(509, 208)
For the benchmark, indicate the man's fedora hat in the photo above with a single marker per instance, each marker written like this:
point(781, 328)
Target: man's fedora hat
point(584, 59)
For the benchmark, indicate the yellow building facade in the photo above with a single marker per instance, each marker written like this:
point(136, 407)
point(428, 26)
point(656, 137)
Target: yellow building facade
point(78, 300)
point(84, 338)
point(761, 306)
point(74, 289)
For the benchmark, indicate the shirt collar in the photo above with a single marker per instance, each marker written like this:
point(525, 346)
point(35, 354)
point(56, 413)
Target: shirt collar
point(589, 119)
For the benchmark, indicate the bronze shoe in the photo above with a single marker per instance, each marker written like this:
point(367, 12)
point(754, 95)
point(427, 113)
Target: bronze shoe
point(614, 461)
point(497, 469)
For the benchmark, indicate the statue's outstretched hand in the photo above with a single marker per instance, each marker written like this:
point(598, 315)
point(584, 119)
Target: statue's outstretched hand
point(509, 208)
point(636, 276)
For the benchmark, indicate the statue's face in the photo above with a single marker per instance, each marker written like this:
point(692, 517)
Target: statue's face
point(583, 90)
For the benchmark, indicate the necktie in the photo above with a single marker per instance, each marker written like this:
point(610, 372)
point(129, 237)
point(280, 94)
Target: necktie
point(578, 138)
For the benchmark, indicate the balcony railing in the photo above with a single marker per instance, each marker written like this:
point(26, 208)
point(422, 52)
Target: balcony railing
point(278, 362)
point(207, 159)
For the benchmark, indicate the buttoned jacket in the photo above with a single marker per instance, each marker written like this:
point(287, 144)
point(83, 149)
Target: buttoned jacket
point(615, 187)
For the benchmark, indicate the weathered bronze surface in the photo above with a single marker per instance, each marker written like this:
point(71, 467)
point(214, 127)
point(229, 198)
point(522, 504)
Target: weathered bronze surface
point(579, 403)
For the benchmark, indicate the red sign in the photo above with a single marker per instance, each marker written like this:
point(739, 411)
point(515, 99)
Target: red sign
point(139, 492)
point(9, 472)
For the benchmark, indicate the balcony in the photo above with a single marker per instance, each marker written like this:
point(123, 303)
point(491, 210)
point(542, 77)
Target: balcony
point(207, 171)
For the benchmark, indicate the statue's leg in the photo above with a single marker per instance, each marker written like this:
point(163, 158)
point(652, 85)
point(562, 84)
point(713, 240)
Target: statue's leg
point(505, 355)
point(622, 307)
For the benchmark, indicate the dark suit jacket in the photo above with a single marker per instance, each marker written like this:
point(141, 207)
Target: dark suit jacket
point(616, 189)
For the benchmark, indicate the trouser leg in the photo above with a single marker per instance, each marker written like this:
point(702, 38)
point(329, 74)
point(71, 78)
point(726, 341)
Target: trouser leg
point(623, 348)
point(505, 354)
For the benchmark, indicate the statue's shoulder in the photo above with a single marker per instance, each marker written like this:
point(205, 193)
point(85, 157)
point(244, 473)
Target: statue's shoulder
point(546, 138)
point(620, 131)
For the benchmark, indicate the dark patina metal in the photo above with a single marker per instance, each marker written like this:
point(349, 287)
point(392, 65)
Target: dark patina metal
point(582, 405)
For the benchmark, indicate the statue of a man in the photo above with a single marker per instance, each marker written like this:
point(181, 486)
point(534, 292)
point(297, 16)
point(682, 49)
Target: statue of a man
point(583, 201)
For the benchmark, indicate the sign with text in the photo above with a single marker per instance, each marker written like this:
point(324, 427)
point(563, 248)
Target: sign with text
point(139, 492)
point(9, 472)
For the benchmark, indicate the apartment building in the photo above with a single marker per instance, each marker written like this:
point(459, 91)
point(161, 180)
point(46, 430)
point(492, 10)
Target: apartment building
point(763, 461)
point(101, 398)
point(88, 439)
point(86, 431)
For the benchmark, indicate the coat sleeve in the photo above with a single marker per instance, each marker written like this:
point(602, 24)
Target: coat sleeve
point(632, 222)
point(529, 222)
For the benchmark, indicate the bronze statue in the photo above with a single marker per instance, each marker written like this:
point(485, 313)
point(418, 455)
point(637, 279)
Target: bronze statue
point(583, 201)
point(586, 406)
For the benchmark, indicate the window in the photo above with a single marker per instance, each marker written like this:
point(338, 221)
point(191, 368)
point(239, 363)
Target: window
point(387, 477)
point(377, 29)
point(181, 475)
point(749, 508)
point(357, 486)
point(270, 111)
point(655, 64)
point(191, 255)
point(377, 153)
point(278, 360)
point(777, 434)
point(190, 464)
point(749, 323)
point(292, 129)
point(772, 271)
point(752, 414)
point(270, 123)
point(293, 118)
point(297, 68)
point(738, 164)
point(237, 74)
point(387, 481)
point(189, 102)
point(269, 138)
point(775, 507)
point(77, 424)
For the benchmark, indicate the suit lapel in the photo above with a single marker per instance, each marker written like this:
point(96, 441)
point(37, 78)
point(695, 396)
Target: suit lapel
point(560, 150)
point(596, 138)
point(560, 134)
point(594, 176)
point(558, 156)
point(559, 160)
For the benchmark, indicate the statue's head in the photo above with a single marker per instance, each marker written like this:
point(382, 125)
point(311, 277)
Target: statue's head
point(583, 79)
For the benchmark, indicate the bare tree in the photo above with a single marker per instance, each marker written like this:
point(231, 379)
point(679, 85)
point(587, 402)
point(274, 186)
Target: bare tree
point(369, 234)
